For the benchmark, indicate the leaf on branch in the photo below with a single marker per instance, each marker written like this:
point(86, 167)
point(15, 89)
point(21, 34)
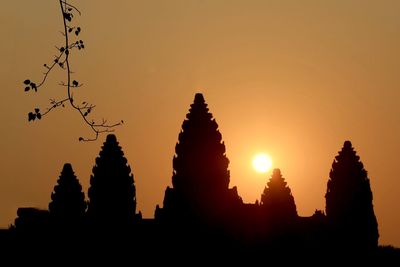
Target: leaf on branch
point(68, 16)
point(62, 49)
point(67, 52)
point(37, 110)
point(31, 116)
point(34, 87)
point(27, 82)
point(85, 114)
point(27, 89)
point(39, 116)
point(80, 139)
point(80, 45)
point(75, 83)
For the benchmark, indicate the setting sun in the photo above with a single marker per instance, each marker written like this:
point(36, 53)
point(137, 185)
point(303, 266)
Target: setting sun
point(262, 162)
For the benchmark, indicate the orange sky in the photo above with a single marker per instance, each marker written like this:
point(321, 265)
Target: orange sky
point(294, 79)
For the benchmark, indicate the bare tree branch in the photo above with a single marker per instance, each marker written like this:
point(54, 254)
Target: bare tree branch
point(62, 60)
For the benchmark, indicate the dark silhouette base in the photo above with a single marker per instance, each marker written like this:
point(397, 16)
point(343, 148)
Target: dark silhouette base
point(153, 243)
point(203, 220)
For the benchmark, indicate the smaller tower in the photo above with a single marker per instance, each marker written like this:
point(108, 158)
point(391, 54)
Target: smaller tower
point(67, 206)
point(112, 194)
point(277, 201)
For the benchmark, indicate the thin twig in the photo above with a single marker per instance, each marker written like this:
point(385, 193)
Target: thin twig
point(55, 104)
point(71, 6)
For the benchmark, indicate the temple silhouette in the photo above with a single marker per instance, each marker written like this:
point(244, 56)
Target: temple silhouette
point(201, 214)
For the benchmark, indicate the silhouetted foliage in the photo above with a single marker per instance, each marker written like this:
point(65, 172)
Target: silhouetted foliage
point(61, 60)
point(112, 194)
point(349, 207)
point(277, 201)
point(200, 178)
point(68, 203)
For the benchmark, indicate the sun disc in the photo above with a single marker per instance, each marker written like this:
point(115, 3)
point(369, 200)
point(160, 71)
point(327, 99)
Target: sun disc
point(262, 163)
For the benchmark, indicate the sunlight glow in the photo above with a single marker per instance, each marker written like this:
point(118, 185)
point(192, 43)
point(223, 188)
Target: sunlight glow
point(262, 163)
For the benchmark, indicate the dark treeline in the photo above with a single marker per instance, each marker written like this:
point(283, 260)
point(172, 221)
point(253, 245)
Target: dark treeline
point(201, 216)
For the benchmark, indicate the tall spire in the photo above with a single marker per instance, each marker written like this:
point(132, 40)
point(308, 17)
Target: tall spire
point(200, 167)
point(349, 207)
point(200, 153)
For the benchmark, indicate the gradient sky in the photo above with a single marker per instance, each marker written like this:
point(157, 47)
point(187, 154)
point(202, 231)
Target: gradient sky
point(294, 79)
